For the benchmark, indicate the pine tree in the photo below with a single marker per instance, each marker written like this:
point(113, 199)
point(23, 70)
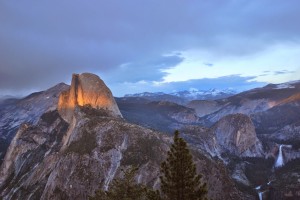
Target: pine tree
point(126, 189)
point(179, 180)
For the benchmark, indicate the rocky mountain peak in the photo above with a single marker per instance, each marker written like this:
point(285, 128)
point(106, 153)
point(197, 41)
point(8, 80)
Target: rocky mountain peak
point(236, 133)
point(86, 89)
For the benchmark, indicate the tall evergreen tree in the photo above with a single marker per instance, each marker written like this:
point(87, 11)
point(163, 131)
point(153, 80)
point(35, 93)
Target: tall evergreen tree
point(126, 189)
point(179, 180)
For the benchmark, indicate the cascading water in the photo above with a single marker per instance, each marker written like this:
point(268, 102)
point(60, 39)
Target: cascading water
point(260, 195)
point(259, 192)
point(279, 161)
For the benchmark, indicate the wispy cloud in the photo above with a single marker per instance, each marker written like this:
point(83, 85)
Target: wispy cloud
point(152, 69)
point(283, 72)
point(208, 64)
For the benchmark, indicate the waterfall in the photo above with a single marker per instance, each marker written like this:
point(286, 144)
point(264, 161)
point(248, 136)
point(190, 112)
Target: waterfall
point(260, 195)
point(258, 192)
point(279, 161)
point(258, 187)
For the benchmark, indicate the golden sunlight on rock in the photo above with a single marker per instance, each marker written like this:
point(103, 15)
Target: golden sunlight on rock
point(293, 98)
point(271, 104)
point(86, 89)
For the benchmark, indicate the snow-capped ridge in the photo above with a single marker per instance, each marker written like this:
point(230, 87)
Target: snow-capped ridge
point(191, 94)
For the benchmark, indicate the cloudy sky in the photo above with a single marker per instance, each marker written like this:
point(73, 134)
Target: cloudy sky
point(156, 45)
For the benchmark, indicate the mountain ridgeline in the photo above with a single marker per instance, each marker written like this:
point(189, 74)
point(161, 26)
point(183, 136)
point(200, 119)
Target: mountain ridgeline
point(14, 112)
point(69, 141)
point(75, 149)
point(183, 97)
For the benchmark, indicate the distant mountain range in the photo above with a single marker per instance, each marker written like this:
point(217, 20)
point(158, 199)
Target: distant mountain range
point(67, 132)
point(249, 131)
point(182, 97)
point(73, 141)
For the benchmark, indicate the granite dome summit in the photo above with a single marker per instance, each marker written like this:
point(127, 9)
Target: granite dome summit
point(86, 89)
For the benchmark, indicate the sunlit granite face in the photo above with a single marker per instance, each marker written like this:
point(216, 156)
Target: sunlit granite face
point(86, 89)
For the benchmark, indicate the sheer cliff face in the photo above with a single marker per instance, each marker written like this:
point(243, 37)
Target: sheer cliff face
point(236, 134)
point(38, 167)
point(233, 135)
point(58, 160)
point(28, 109)
point(86, 89)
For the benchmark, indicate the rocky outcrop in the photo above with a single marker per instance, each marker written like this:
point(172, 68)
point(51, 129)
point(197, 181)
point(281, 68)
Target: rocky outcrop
point(204, 107)
point(26, 110)
point(239, 105)
point(58, 160)
point(28, 149)
point(52, 159)
point(278, 119)
point(99, 147)
point(236, 134)
point(289, 133)
point(256, 100)
point(87, 89)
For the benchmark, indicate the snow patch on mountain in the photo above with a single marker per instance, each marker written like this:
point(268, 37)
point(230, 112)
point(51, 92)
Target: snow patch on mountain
point(145, 94)
point(191, 94)
point(284, 86)
point(195, 93)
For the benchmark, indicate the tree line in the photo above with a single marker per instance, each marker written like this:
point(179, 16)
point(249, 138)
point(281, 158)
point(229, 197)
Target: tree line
point(179, 179)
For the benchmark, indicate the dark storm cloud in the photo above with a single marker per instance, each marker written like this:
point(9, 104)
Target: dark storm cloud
point(43, 42)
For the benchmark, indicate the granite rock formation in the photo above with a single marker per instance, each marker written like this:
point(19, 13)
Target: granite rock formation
point(14, 112)
point(256, 100)
point(39, 166)
point(83, 145)
point(236, 134)
point(86, 89)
